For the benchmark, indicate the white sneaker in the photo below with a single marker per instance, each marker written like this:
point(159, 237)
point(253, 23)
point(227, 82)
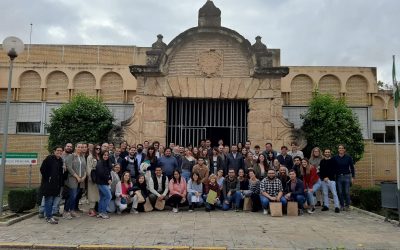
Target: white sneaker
point(310, 211)
point(175, 210)
point(265, 211)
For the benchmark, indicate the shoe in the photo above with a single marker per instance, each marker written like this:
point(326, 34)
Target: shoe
point(325, 208)
point(237, 210)
point(41, 215)
point(134, 211)
point(301, 212)
point(337, 210)
point(58, 214)
point(104, 216)
point(318, 204)
point(191, 208)
point(265, 211)
point(310, 211)
point(347, 208)
point(119, 211)
point(67, 216)
point(92, 213)
point(56, 219)
point(207, 209)
point(74, 214)
point(51, 221)
point(175, 210)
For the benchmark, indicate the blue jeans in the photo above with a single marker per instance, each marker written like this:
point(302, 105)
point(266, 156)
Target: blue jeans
point(235, 198)
point(48, 206)
point(310, 195)
point(343, 186)
point(56, 205)
point(186, 174)
point(70, 202)
point(105, 197)
point(300, 199)
point(326, 186)
point(265, 201)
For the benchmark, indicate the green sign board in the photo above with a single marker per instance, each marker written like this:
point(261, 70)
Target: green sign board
point(21, 158)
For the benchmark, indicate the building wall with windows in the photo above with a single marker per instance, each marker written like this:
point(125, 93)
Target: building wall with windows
point(51, 74)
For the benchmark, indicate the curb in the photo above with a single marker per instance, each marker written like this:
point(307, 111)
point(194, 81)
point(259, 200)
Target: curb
point(26, 246)
point(377, 216)
point(18, 219)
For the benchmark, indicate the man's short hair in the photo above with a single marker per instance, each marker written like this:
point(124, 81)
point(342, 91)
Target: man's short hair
point(297, 157)
point(292, 171)
point(268, 143)
point(257, 146)
point(57, 146)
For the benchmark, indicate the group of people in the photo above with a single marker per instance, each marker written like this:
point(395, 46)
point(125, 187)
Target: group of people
point(142, 177)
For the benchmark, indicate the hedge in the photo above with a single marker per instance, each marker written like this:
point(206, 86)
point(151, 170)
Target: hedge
point(366, 198)
point(20, 200)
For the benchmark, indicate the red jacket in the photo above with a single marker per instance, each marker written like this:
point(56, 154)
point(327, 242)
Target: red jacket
point(310, 179)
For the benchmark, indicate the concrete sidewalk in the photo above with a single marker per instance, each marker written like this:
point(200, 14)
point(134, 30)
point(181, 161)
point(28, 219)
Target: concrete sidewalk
point(226, 229)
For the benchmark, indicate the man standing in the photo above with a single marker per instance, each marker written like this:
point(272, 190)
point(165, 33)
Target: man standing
point(297, 166)
point(202, 170)
point(158, 186)
point(247, 145)
point(168, 163)
point(140, 156)
point(295, 152)
point(345, 176)
point(235, 160)
point(285, 159)
point(327, 173)
point(52, 181)
point(268, 149)
point(124, 153)
point(130, 164)
point(271, 190)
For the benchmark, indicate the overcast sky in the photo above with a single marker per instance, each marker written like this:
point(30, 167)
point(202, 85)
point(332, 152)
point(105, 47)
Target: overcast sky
point(308, 32)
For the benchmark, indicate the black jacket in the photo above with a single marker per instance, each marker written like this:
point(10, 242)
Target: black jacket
point(52, 176)
point(142, 187)
point(327, 168)
point(103, 172)
point(235, 163)
point(298, 190)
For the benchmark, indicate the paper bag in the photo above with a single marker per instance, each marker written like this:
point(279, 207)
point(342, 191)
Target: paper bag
point(292, 209)
point(276, 209)
point(139, 196)
point(159, 204)
point(147, 205)
point(247, 204)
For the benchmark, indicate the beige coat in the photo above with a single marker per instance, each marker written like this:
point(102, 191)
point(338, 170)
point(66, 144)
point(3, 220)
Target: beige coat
point(93, 191)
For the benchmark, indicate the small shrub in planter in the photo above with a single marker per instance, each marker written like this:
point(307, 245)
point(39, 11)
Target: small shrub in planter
point(20, 200)
point(370, 199)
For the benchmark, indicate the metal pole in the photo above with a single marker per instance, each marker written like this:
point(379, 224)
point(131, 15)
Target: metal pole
point(5, 135)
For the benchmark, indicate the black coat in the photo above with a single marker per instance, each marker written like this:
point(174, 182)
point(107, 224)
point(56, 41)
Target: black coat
point(235, 163)
point(52, 176)
point(103, 172)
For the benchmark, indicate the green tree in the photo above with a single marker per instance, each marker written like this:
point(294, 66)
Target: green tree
point(329, 122)
point(83, 119)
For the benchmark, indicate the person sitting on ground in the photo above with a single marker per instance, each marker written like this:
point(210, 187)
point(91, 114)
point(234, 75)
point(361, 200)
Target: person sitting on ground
point(271, 190)
point(201, 169)
point(211, 185)
point(123, 199)
point(231, 192)
point(140, 186)
point(52, 181)
point(294, 191)
point(243, 185)
point(194, 191)
point(158, 186)
point(177, 191)
point(312, 183)
point(254, 191)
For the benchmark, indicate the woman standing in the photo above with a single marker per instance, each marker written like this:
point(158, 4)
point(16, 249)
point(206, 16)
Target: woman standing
point(188, 161)
point(196, 153)
point(177, 191)
point(220, 178)
point(92, 190)
point(76, 165)
point(216, 162)
point(103, 180)
point(248, 161)
point(151, 156)
point(194, 191)
point(315, 160)
point(311, 181)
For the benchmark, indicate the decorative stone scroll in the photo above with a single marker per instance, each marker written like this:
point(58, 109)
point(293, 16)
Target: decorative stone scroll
point(210, 63)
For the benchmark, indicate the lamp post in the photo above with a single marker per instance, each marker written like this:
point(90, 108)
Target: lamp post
point(12, 46)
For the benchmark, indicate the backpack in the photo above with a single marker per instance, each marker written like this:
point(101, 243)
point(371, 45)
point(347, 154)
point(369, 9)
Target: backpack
point(93, 175)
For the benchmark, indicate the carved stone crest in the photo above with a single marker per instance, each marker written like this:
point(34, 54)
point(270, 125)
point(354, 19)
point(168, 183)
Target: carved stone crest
point(210, 63)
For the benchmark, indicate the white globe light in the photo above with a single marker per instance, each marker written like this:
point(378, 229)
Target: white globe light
point(13, 44)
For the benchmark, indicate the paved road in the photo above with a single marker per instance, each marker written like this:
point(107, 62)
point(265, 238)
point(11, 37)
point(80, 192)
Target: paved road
point(234, 230)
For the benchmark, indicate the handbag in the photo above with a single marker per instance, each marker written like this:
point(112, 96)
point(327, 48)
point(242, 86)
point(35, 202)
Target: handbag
point(276, 209)
point(140, 197)
point(292, 209)
point(93, 175)
point(147, 205)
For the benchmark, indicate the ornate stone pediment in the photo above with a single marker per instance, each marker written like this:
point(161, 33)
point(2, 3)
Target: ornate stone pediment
point(210, 63)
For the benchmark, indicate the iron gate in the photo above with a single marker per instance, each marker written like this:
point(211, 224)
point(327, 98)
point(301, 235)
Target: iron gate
point(190, 120)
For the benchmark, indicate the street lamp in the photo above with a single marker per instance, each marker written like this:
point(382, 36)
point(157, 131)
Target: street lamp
point(13, 46)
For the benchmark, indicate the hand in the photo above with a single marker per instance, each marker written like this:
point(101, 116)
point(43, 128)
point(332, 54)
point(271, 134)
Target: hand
point(287, 196)
point(109, 182)
point(197, 194)
point(273, 198)
point(160, 198)
point(78, 179)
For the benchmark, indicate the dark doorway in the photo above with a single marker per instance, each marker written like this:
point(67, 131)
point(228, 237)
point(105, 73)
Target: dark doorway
point(190, 120)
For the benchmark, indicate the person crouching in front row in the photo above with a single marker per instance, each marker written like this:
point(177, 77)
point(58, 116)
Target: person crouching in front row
point(158, 186)
point(271, 190)
point(295, 191)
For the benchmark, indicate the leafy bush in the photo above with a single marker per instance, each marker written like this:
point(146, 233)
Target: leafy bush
point(84, 119)
point(355, 195)
point(328, 122)
point(20, 200)
point(370, 199)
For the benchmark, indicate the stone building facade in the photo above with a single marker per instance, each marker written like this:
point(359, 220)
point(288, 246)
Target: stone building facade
point(205, 64)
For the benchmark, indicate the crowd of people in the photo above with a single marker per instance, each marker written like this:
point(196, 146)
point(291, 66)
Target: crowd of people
point(144, 177)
